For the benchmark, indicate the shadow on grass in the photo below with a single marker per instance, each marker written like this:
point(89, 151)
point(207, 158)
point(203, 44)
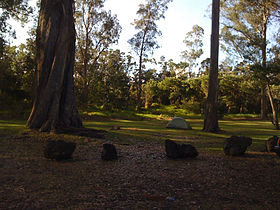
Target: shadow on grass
point(152, 130)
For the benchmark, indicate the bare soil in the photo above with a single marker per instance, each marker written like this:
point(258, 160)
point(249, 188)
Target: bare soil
point(142, 178)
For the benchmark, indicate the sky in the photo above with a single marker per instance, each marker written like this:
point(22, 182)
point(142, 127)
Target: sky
point(179, 19)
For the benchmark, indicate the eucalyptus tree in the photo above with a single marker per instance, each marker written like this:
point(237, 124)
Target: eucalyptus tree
point(194, 44)
point(54, 105)
point(211, 107)
point(245, 29)
point(145, 40)
point(97, 29)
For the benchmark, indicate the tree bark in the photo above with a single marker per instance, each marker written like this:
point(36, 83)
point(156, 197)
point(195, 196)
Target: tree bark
point(139, 89)
point(275, 121)
point(54, 104)
point(211, 107)
point(264, 54)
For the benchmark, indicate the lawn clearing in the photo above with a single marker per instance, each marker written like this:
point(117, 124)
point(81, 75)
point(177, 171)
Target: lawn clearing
point(142, 177)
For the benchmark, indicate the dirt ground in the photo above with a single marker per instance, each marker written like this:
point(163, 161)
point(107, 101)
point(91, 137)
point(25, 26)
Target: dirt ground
point(142, 178)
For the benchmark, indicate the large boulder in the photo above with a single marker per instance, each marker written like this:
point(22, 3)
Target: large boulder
point(179, 123)
point(172, 149)
point(59, 150)
point(175, 151)
point(109, 152)
point(188, 151)
point(236, 146)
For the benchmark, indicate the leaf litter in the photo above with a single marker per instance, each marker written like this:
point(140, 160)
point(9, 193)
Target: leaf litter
point(142, 178)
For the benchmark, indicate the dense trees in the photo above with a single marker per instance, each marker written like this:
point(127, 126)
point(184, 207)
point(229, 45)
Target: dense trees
point(144, 41)
point(96, 30)
point(110, 79)
point(245, 29)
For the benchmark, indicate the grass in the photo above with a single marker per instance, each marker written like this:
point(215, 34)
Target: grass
point(147, 127)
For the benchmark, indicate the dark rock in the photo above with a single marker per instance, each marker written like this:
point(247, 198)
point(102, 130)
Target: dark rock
point(109, 152)
point(188, 151)
point(59, 150)
point(172, 149)
point(236, 146)
point(175, 151)
point(271, 143)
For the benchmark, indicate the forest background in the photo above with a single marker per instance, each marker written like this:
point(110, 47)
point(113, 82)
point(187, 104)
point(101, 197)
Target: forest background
point(107, 78)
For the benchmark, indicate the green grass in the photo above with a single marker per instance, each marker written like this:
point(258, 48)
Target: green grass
point(146, 127)
point(154, 130)
point(12, 127)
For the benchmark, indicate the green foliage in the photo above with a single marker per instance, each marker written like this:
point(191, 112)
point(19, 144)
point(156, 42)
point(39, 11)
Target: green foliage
point(194, 44)
point(17, 9)
point(97, 29)
point(109, 85)
point(145, 40)
point(236, 93)
point(17, 68)
point(245, 25)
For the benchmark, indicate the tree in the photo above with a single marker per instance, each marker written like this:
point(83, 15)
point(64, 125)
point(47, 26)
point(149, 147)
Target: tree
point(18, 10)
point(245, 29)
point(54, 104)
point(211, 108)
point(96, 31)
point(271, 78)
point(144, 41)
point(110, 84)
point(194, 44)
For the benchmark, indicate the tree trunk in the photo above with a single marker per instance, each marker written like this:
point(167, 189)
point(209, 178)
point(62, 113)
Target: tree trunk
point(54, 104)
point(264, 53)
point(139, 89)
point(211, 107)
point(275, 121)
point(263, 103)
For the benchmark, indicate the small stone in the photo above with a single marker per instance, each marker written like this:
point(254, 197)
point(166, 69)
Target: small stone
point(59, 150)
point(109, 152)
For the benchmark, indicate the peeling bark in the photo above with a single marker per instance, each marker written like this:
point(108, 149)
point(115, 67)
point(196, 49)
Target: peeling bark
point(54, 104)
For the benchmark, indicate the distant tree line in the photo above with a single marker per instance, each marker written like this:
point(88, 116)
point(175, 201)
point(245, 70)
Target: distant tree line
point(249, 78)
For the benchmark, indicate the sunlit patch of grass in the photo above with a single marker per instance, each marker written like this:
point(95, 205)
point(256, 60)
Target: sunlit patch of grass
point(10, 127)
point(151, 129)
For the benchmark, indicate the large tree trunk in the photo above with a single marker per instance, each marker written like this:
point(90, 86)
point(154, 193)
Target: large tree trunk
point(54, 103)
point(211, 107)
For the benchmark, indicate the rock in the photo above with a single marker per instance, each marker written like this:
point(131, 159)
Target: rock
point(188, 151)
point(179, 123)
point(59, 150)
point(172, 149)
point(109, 152)
point(271, 143)
point(236, 146)
point(175, 151)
